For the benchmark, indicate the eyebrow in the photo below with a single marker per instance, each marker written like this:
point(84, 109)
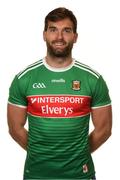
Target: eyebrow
point(50, 27)
point(67, 28)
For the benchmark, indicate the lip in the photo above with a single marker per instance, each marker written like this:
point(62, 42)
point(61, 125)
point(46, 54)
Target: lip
point(59, 44)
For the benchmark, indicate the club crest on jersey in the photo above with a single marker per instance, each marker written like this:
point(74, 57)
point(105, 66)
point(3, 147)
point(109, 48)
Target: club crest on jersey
point(76, 85)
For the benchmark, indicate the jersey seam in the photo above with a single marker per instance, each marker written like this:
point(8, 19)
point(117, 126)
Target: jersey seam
point(18, 105)
point(95, 107)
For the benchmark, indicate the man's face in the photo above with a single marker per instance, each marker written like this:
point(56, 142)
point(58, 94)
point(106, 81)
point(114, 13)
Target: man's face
point(60, 38)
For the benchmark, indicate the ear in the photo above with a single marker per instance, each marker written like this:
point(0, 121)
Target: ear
point(44, 35)
point(75, 37)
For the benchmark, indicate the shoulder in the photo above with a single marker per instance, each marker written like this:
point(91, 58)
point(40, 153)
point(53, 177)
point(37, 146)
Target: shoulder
point(29, 69)
point(87, 70)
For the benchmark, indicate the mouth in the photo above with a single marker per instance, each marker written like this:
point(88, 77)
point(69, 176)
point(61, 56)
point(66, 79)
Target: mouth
point(59, 44)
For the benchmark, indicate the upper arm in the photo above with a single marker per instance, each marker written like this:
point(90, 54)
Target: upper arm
point(17, 106)
point(16, 117)
point(101, 110)
point(102, 118)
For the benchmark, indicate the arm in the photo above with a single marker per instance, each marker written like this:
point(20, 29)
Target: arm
point(102, 121)
point(16, 121)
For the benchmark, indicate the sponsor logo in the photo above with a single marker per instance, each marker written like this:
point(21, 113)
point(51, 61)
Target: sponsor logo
point(38, 85)
point(58, 80)
point(85, 168)
point(76, 85)
point(59, 106)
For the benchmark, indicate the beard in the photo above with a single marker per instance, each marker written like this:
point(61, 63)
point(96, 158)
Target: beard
point(59, 52)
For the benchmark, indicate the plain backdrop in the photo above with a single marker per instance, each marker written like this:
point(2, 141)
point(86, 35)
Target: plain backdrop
point(98, 45)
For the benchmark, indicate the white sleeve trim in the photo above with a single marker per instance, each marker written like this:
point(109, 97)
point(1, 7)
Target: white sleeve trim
point(101, 106)
point(21, 106)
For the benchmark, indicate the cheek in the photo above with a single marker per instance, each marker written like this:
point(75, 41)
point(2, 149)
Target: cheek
point(50, 38)
point(70, 40)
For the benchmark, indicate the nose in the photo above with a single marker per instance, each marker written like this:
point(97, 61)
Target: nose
point(60, 35)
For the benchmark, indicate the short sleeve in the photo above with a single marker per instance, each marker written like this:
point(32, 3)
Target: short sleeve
point(100, 95)
point(16, 93)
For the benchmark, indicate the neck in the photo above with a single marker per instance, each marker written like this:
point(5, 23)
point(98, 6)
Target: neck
point(58, 62)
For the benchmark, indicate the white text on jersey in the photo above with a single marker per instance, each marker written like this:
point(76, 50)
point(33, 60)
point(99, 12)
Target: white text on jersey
point(39, 85)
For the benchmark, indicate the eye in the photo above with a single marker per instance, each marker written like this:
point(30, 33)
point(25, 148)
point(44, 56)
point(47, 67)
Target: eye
point(68, 30)
point(52, 29)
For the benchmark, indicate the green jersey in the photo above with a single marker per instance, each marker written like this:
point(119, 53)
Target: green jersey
point(58, 102)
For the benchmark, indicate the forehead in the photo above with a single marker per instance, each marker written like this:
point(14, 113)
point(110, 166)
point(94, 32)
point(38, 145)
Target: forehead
point(61, 23)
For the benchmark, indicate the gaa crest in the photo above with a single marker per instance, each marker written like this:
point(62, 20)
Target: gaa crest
point(76, 85)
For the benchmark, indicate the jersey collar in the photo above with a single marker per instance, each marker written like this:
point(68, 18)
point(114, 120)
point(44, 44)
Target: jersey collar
point(58, 69)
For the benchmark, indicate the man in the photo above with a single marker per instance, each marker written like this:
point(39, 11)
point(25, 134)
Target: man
point(58, 94)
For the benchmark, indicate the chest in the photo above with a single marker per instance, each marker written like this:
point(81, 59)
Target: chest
point(58, 95)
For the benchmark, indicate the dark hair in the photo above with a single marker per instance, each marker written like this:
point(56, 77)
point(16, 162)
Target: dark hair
point(59, 14)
